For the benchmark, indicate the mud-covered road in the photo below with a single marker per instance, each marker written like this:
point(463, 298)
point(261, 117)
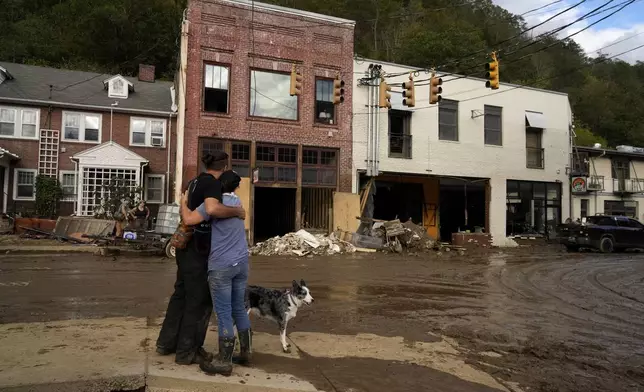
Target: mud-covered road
point(540, 318)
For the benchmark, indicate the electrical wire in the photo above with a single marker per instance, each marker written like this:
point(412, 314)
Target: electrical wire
point(522, 32)
point(557, 42)
point(461, 73)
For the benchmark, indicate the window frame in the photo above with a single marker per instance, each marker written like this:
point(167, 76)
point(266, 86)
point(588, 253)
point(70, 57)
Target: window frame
point(538, 132)
point(81, 127)
point(203, 87)
point(584, 205)
point(17, 123)
point(15, 184)
point(145, 188)
point(490, 110)
point(407, 153)
point(112, 91)
point(275, 164)
point(250, 92)
point(148, 131)
point(626, 164)
point(320, 167)
point(451, 105)
point(61, 174)
point(334, 118)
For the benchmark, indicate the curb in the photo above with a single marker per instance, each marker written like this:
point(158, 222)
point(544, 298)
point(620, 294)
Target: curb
point(117, 383)
point(79, 249)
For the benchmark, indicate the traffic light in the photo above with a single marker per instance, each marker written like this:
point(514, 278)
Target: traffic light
point(338, 90)
point(296, 82)
point(435, 89)
point(492, 73)
point(384, 96)
point(408, 93)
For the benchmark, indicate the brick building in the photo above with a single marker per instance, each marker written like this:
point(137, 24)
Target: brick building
point(297, 149)
point(82, 128)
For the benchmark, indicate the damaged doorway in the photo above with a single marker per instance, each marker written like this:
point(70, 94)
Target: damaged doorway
point(274, 212)
point(462, 206)
point(399, 200)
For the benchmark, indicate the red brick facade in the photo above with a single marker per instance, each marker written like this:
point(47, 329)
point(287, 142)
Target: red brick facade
point(28, 150)
point(222, 33)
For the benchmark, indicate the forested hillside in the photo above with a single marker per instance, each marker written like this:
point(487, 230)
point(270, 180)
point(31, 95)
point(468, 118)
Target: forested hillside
point(116, 35)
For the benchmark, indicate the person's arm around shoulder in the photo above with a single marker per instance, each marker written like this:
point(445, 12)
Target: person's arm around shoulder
point(216, 209)
point(189, 217)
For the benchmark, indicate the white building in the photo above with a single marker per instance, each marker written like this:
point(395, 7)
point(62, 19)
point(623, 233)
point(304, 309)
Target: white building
point(481, 159)
point(607, 181)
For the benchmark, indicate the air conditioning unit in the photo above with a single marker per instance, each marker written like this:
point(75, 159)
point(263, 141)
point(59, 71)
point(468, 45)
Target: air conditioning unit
point(157, 141)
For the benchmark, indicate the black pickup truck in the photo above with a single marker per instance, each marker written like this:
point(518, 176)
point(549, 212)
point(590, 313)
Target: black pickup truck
point(606, 233)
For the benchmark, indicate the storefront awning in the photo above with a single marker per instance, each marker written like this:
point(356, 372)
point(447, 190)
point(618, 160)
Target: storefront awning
point(536, 119)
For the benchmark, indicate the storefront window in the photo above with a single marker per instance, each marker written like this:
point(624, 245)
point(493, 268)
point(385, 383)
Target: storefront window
point(535, 209)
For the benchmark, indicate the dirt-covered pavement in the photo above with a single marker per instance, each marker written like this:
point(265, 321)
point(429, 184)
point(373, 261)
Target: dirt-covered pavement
point(534, 319)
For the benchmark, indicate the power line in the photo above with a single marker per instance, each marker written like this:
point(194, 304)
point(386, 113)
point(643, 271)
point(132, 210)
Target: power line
point(543, 37)
point(468, 56)
point(557, 42)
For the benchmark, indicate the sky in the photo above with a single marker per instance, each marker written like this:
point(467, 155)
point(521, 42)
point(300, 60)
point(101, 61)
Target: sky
point(626, 25)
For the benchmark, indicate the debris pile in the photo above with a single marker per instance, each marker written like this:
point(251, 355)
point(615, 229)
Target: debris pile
point(398, 236)
point(302, 243)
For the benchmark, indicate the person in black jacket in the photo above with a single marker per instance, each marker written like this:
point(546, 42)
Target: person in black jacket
point(190, 306)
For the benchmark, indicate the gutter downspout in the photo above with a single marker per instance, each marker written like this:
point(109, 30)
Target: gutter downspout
point(369, 124)
point(181, 115)
point(376, 155)
point(167, 172)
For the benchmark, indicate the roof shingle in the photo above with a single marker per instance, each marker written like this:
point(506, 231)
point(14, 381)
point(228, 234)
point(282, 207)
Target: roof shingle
point(32, 82)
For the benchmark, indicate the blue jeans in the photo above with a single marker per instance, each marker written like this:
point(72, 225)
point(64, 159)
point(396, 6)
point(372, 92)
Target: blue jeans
point(227, 288)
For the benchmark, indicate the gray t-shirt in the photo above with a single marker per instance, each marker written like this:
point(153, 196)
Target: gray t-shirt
point(228, 241)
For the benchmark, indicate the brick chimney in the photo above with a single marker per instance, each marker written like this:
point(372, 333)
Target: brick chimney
point(146, 73)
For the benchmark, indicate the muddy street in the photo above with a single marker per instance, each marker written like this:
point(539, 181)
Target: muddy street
point(538, 319)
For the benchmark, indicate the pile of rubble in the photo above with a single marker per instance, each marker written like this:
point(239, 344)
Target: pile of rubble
point(302, 243)
point(397, 236)
point(390, 236)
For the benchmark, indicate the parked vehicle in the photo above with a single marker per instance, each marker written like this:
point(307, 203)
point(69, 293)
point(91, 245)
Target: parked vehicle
point(606, 233)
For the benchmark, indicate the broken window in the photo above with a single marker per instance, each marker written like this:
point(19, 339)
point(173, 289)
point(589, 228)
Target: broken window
point(216, 90)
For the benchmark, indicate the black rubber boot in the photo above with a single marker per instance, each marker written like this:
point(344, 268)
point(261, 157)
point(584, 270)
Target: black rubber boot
point(222, 363)
point(245, 345)
point(201, 356)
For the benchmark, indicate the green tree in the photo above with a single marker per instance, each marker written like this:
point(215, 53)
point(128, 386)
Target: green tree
point(585, 138)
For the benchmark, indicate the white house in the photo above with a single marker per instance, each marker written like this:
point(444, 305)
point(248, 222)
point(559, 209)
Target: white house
point(482, 160)
point(607, 181)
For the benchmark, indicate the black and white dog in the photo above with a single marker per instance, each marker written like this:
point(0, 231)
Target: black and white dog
point(278, 305)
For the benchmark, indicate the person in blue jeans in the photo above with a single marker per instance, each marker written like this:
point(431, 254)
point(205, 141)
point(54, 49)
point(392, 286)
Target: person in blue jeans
point(227, 277)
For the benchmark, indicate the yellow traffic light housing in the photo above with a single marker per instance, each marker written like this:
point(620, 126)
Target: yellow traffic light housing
point(408, 93)
point(296, 82)
point(384, 98)
point(492, 73)
point(338, 90)
point(435, 89)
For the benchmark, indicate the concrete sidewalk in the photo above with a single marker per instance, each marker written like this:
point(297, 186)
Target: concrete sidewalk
point(117, 354)
point(114, 354)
